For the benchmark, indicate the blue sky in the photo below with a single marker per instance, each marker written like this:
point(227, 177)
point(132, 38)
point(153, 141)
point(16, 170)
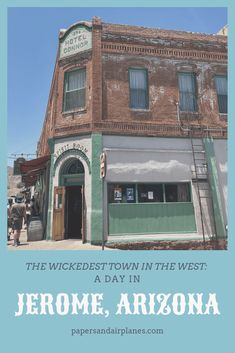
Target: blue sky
point(32, 46)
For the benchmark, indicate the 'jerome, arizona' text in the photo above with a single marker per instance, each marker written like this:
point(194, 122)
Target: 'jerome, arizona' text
point(128, 304)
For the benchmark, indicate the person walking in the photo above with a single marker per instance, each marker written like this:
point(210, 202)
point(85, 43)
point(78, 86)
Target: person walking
point(18, 213)
point(9, 219)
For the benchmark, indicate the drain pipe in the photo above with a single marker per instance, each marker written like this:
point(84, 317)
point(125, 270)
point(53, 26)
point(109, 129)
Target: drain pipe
point(178, 118)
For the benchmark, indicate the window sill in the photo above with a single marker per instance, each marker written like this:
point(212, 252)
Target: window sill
point(74, 112)
point(223, 116)
point(139, 110)
point(188, 112)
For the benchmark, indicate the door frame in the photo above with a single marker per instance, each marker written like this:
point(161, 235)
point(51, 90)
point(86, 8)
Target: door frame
point(58, 213)
point(83, 214)
point(78, 179)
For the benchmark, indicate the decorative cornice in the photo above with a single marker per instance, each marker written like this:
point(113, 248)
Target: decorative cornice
point(140, 129)
point(69, 128)
point(109, 47)
point(149, 129)
point(64, 32)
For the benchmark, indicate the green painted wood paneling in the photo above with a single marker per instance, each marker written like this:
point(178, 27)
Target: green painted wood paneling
point(214, 183)
point(51, 143)
point(96, 190)
point(151, 218)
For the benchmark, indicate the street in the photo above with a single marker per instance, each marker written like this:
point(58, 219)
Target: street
point(68, 244)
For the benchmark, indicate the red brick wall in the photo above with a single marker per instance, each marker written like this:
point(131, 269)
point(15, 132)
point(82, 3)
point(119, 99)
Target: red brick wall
point(116, 48)
point(163, 89)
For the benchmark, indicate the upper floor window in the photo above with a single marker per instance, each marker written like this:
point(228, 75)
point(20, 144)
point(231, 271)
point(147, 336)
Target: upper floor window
point(138, 82)
point(222, 92)
point(187, 90)
point(74, 89)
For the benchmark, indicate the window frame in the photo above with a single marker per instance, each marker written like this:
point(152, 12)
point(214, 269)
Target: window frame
point(145, 70)
point(195, 95)
point(66, 73)
point(126, 185)
point(150, 183)
point(217, 95)
point(153, 189)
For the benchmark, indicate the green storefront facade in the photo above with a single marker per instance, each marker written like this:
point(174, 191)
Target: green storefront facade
point(147, 192)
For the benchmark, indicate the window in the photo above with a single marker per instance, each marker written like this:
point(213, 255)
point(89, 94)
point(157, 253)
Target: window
point(222, 91)
point(75, 90)
point(187, 90)
point(121, 193)
point(150, 193)
point(177, 192)
point(141, 193)
point(138, 88)
point(75, 167)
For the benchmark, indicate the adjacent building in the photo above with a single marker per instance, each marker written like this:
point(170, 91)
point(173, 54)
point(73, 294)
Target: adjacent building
point(134, 142)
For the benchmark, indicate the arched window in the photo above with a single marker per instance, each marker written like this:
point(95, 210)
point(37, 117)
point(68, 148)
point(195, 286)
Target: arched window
point(73, 166)
point(72, 172)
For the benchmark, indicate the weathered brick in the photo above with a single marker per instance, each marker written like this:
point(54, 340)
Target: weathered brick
point(115, 49)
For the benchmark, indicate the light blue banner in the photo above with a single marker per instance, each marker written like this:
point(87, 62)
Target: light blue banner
point(157, 272)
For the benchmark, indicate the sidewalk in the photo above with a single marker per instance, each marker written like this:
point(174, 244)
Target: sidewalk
point(69, 244)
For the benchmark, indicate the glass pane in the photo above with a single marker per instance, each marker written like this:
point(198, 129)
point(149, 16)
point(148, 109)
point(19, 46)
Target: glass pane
point(76, 80)
point(223, 104)
point(75, 91)
point(177, 192)
point(75, 167)
point(58, 201)
point(221, 85)
point(121, 193)
point(171, 193)
point(138, 88)
point(75, 99)
point(183, 191)
point(187, 88)
point(222, 89)
point(138, 79)
point(187, 102)
point(138, 98)
point(150, 193)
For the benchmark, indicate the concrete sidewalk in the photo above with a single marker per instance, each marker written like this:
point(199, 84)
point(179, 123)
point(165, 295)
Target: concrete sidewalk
point(69, 244)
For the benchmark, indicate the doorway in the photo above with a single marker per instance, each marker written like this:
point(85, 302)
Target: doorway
point(69, 210)
point(73, 212)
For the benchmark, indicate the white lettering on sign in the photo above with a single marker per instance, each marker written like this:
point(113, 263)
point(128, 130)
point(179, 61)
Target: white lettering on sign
point(78, 40)
point(69, 146)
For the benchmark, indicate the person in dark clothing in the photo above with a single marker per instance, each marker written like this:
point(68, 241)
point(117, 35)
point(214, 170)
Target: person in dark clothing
point(18, 213)
point(9, 219)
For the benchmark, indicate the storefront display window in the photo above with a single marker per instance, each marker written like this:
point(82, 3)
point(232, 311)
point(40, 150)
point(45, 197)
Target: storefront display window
point(141, 193)
point(121, 193)
point(150, 193)
point(177, 192)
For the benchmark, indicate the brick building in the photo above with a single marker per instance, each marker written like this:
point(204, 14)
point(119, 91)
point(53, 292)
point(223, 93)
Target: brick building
point(153, 104)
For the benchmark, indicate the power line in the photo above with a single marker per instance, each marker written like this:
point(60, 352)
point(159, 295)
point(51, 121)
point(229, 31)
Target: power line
point(15, 155)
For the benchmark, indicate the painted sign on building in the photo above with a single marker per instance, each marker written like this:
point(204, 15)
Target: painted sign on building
point(77, 40)
point(71, 149)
